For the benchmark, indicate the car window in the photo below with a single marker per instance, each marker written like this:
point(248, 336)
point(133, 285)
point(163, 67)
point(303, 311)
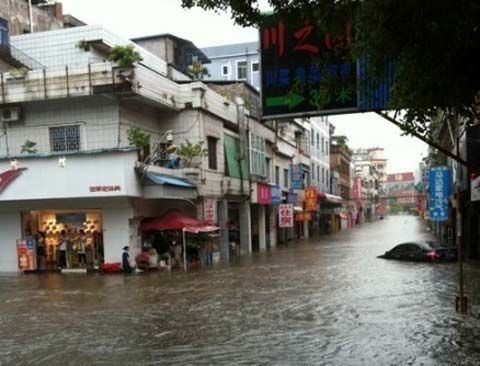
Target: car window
point(407, 247)
point(400, 248)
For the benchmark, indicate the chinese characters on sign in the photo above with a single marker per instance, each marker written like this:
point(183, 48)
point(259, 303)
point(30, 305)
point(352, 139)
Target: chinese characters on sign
point(305, 70)
point(26, 254)
point(210, 211)
point(303, 216)
point(311, 199)
point(297, 176)
point(264, 194)
point(439, 192)
point(105, 188)
point(285, 213)
point(276, 195)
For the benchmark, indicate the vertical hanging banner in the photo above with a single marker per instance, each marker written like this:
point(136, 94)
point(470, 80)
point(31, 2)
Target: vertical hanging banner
point(297, 176)
point(311, 199)
point(440, 183)
point(285, 215)
point(276, 195)
point(210, 211)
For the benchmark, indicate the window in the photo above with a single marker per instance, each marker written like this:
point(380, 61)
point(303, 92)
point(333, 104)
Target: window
point(212, 152)
point(312, 138)
point(269, 173)
point(323, 175)
point(277, 175)
point(258, 164)
point(65, 138)
point(318, 141)
point(313, 171)
point(241, 70)
point(327, 178)
point(225, 70)
point(323, 144)
point(318, 172)
point(255, 66)
point(326, 147)
point(285, 178)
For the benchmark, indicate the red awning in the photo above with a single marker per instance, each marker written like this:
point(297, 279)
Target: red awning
point(175, 220)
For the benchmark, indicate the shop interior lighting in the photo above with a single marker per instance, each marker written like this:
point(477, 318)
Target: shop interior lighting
point(62, 162)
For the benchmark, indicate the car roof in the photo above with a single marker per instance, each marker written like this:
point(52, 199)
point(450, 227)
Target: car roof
point(423, 244)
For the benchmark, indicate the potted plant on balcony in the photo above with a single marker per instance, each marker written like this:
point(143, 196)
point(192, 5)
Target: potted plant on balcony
point(192, 153)
point(124, 56)
point(29, 147)
point(138, 138)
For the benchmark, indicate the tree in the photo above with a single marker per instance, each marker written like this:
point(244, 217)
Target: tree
point(433, 44)
point(124, 56)
point(188, 151)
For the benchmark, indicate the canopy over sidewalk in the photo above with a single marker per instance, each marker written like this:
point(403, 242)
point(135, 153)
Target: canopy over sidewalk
point(175, 220)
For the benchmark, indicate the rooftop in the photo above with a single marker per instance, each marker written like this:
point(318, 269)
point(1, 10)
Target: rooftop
point(231, 50)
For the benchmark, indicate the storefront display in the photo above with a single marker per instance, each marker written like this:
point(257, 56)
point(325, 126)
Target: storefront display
point(81, 231)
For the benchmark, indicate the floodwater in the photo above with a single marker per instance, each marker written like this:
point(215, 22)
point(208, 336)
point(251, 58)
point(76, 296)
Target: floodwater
point(326, 302)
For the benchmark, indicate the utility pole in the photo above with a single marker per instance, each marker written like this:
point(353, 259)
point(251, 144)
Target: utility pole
point(461, 301)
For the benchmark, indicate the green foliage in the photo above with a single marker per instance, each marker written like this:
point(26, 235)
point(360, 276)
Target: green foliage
point(19, 72)
point(197, 71)
point(83, 45)
point(188, 151)
point(124, 56)
point(433, 44)
point(138, 138)
point(29, 147)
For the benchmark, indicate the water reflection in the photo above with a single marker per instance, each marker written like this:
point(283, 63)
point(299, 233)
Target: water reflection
point(327, 302)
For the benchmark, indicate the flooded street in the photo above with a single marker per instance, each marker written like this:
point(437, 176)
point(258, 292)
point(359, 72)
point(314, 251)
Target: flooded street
point(326, 302)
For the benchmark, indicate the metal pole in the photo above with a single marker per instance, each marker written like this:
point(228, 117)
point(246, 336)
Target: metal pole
point(184, 251)
point(30, 14)
point(461, 302)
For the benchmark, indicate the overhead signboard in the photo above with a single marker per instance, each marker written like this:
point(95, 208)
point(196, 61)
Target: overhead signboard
point(285, 215)
point(306, 71)
point(297, 176)
point(439, 191)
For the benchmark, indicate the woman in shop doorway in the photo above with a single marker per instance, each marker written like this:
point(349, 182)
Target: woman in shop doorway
point(62, 250)
point(40, 238)
point(81, 245)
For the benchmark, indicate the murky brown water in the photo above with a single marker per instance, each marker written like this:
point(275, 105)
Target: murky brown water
point(329, 302)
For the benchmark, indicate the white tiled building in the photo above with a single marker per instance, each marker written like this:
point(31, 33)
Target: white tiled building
point(78, 108)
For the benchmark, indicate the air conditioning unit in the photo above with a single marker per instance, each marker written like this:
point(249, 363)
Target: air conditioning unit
point(10, 114)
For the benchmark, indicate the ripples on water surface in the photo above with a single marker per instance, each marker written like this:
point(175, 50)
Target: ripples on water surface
point(327, 302)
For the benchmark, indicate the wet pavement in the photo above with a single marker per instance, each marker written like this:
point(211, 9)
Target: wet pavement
point(326, 302)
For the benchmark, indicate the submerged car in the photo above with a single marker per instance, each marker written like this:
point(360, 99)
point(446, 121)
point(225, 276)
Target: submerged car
point(421, 251)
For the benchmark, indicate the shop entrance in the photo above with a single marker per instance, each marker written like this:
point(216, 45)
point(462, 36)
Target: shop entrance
point(65, 238)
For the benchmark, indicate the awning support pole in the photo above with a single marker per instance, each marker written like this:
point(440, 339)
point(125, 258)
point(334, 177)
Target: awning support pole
point(184, 251)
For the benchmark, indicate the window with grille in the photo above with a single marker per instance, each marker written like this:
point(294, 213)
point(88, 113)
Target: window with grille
point(258, 164)
point(65, 138)
point(241, 70)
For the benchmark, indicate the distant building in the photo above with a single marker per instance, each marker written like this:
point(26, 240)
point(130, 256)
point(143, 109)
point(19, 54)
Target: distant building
point(401, 189)
point(320, 153)
point(239, 61)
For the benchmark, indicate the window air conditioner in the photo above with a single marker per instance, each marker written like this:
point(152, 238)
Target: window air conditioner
point(10, 114)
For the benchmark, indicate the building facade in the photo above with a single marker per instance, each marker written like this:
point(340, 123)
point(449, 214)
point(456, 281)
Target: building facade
point(234, 62)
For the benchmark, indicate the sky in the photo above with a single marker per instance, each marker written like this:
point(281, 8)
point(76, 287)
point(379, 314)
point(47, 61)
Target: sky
point(146, 17)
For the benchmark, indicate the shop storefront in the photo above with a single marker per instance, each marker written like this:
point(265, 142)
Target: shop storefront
point(81, 230)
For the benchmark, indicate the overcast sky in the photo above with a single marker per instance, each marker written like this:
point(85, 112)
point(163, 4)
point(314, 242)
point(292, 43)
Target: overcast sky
point(146, 17)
